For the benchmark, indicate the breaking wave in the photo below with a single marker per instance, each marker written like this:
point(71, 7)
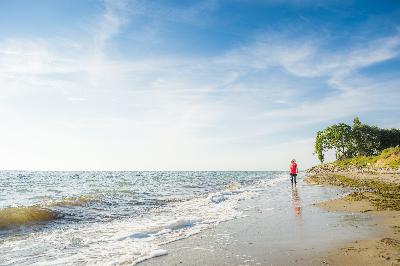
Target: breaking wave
point(16, 216)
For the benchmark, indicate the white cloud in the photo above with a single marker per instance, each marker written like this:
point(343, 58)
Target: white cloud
point(86, 109)
point(113, 18)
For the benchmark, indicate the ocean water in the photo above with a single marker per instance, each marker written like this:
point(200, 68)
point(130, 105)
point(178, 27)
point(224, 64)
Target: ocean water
point(112, 218)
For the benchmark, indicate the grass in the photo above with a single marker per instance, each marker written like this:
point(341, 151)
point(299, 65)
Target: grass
point(359, 161)
point(389, 158)
point(384, 196)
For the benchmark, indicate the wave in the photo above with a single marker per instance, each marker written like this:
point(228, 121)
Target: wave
point(17, 216)
point(25, 215)
point(133, 239)
point(71, 201)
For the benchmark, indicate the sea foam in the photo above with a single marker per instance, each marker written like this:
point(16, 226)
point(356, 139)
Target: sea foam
point(130, 240)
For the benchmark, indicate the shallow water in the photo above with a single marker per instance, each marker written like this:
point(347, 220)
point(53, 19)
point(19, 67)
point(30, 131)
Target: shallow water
point(281, 227)
point(115, 217)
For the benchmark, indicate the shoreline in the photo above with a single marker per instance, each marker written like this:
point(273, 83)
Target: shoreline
point(372, 195)
point(383, 249)
point(295, 233)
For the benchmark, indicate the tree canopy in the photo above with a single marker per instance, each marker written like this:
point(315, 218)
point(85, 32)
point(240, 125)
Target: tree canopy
point(358, 139)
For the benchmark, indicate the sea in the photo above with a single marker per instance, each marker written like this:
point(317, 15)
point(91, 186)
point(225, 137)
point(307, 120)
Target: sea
point(114, 218)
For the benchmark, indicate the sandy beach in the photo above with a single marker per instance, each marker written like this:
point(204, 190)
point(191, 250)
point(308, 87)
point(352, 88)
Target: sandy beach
point(384, 247)
point(293, 229)
point(267, 221)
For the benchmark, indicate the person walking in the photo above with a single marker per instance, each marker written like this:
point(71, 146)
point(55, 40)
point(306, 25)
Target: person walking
point(293, 171)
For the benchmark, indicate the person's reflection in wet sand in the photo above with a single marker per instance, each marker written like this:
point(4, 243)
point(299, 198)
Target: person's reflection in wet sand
point(296, 202)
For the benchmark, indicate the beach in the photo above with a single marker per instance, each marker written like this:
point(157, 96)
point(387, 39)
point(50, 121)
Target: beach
point(158, 133)
point(338, 231)
point(243, 218)
point(290, 230)
point(384, 247)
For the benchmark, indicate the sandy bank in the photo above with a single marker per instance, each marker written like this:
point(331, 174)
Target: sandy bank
point(381, 250)
point(376, 194)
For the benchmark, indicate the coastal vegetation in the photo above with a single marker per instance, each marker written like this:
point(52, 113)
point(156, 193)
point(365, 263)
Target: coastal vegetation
point(359, 140)
point(373, 178)
point(388, 158)
point(368, 163)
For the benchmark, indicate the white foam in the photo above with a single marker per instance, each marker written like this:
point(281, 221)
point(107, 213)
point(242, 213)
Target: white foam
point(152, 254)
point(217, 198)
point(136, 239)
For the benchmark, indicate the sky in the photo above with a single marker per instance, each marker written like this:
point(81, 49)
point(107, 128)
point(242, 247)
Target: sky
point(190, 85)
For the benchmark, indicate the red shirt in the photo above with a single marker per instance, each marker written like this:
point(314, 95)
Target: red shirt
point(293, 168)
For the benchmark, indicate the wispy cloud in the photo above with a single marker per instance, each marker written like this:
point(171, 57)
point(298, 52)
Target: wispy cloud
point(112, 20)
point(78, 92)
point(189, 80)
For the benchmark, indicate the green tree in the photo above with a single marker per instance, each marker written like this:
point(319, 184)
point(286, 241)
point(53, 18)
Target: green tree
point(366, 140)
point(360, 139)
point(371, 140)
point(340, 137)
point(320, 146)
point(337, 137)
point(389, 138)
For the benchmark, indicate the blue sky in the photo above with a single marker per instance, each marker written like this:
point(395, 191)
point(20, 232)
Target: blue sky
point(190, 85)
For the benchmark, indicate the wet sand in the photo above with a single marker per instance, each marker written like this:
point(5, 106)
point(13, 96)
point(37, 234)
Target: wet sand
point(383, 249)
point(283, 226)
